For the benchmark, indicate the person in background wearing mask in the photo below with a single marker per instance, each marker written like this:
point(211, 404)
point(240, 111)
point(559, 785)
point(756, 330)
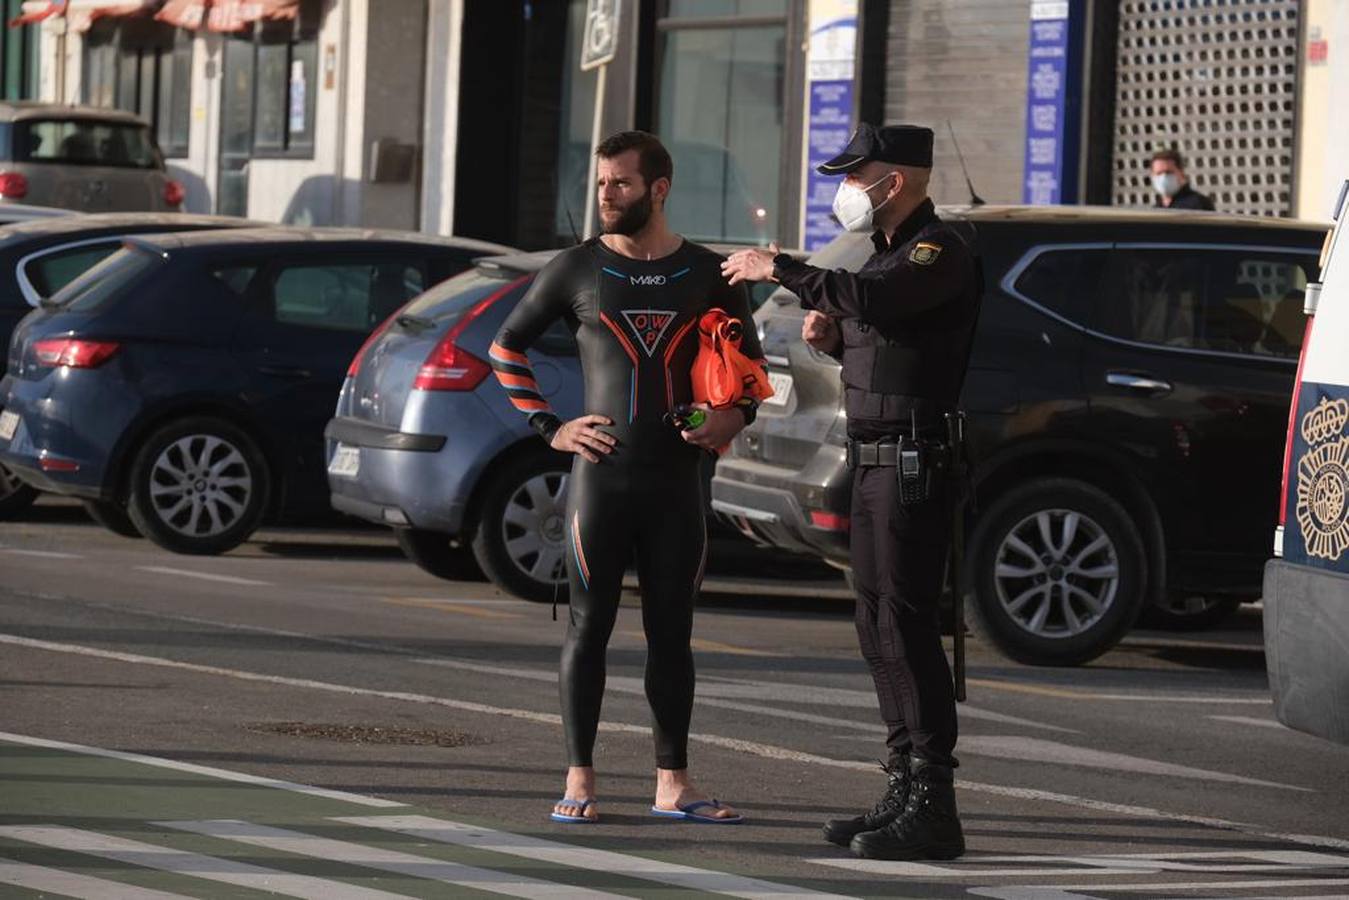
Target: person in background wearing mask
point(902, 327)
point(1171, 184)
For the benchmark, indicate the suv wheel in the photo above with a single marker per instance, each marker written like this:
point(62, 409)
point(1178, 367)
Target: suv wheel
point(1058, 571)
point(521, 535)
point(199, 486)
point(433, 552)
point(15, 496)
point(112, 517)
point(1188, 612)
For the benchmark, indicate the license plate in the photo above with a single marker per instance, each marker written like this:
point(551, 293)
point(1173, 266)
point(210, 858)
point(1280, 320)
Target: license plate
point(346, 461)
point(9, 423)
point(781, 382)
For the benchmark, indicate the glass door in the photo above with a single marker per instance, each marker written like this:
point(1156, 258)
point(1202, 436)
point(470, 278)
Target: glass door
point(236, 126)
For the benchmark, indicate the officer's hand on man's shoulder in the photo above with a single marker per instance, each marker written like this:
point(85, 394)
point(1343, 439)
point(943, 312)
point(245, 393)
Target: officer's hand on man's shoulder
point(821, 332)
point(753, 264)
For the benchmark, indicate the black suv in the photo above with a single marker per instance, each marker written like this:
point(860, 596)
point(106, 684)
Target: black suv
point(1127, 395)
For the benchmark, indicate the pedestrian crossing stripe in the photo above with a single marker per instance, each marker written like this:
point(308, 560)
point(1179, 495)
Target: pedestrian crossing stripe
point(559, 858)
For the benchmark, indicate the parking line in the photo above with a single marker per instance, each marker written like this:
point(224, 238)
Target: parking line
point(576, 857)
point(41, 554)
point(208, 771)
point(443, 871)
point(451, 607)
point(710, 646)
point(754, 748)
point(72, 884)
point(181, 862)
point(1017, 687)
point(1251, 720)
point(204, 576)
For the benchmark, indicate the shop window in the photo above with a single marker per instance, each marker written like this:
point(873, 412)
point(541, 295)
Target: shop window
point(19, 60)
point(144, 68)
point(720, 106)
point(286, 70)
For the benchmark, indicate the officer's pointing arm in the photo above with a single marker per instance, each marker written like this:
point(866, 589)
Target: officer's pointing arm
point(912, 286)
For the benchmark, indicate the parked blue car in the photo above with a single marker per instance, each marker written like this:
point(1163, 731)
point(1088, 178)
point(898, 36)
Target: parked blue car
point(180, 387)
point(425, 440)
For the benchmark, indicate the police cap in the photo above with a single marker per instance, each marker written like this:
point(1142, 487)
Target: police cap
point(901, 145)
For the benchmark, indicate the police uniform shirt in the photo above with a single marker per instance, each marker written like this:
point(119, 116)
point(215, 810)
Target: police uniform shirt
point(906, 318)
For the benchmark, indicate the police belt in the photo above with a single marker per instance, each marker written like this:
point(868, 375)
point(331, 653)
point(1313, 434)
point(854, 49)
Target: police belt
point(886, 453)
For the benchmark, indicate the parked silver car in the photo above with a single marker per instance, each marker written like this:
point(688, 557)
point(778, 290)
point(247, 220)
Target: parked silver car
point(425, 441)
point(82, 158)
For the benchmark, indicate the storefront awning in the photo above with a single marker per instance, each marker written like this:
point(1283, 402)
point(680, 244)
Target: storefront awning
point(226, 15)
point(81, 13)
point(36, 10)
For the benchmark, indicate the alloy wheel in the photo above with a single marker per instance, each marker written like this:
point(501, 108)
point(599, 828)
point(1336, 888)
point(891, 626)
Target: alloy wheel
point(534, 527)
point(200, 485)
point(1056, 573)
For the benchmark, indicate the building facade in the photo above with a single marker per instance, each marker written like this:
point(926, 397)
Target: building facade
point(475, 117)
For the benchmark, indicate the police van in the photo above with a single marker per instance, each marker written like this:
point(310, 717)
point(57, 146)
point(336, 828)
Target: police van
point(1306, 591)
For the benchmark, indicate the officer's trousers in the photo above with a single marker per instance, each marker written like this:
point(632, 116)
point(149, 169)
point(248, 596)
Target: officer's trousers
point(898, 561)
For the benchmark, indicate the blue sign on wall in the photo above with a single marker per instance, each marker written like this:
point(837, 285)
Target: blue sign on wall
point(1050, 106)
point(830, 126)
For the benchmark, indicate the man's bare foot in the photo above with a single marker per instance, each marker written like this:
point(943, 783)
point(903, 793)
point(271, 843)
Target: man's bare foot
point(674, 789)
point(580, 788)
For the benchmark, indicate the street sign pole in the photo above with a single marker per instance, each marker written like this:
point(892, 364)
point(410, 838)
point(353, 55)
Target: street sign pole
point(597, 50)
point(591, 198)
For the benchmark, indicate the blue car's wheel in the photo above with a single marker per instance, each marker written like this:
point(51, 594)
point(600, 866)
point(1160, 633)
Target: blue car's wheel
point(521, 531)
point(198, 485)
point(15, 496)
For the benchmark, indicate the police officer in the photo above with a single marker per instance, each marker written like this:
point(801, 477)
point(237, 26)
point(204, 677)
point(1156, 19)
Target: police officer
point(902, 326)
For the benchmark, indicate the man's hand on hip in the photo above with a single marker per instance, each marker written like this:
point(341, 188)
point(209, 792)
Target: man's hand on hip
point(580, 435)
point(755, 264)
point(821, 332)
point(721, 427)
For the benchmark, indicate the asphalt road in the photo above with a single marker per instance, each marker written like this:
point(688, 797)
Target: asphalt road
point(313, 716)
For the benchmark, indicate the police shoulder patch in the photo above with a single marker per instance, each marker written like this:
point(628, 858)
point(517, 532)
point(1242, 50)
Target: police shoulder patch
point(924, 253)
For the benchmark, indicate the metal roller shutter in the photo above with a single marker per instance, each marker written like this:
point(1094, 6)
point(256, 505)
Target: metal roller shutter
point(963, 60)
point(1217, 79)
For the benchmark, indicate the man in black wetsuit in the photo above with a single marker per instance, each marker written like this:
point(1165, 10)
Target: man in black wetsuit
point(633, 298)
point(902, 327)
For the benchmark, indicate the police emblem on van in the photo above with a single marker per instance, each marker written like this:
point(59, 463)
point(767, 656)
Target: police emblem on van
point(1323, 480)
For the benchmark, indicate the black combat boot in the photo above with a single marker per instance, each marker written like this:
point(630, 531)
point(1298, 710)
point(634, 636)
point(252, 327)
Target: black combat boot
point(886, 810)
point(929, 827)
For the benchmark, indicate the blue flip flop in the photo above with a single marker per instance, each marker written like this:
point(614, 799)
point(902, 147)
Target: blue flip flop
point(574, 820)
point(688, 812)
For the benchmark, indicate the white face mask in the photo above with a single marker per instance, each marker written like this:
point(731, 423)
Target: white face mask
point(1166, 184)
point(852, 205)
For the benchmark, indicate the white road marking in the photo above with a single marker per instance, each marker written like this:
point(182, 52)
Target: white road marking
point(209, 772)
point(754, 748)
point(384, 860)
point(1231, 862)
point(713, 691)
point(459, 834)
point(181, 862)
point(72, 884)
point(1028, 749)
point(1218, 700)
point(41, 554)
point(204, 576)
point(1251, 720)
point(1163, 888)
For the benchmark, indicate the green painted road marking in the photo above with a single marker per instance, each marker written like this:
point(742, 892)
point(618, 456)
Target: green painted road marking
point(141, 822)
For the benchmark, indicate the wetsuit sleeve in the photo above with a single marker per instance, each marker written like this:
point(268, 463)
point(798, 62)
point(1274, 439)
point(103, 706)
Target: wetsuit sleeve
point(911, 286)
point(547, 299)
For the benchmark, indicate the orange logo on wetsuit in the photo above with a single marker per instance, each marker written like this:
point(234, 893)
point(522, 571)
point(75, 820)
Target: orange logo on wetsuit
point(649, 325)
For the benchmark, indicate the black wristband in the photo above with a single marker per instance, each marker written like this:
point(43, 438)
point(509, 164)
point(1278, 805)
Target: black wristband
point(546, 424)
point(749, 409)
